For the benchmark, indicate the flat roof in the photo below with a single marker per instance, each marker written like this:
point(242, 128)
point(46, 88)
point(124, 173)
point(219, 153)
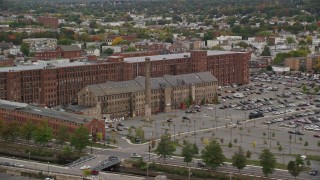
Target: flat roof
point(156, 57)
point(42, 66)
point(23, 107)
point(175, 56)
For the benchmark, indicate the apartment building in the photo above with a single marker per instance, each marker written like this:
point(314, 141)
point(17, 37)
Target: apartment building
point(49, 21)
point(299, 63)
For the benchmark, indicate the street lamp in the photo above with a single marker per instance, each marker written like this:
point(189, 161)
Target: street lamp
point(91, 143)
point(29, 155)
point(48, 167)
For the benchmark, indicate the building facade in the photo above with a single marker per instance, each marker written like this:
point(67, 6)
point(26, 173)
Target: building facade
point(59, 83)
point(69, 51)
point(127, 98)
point(299, 63)
point(20, 113)
point(49, 21)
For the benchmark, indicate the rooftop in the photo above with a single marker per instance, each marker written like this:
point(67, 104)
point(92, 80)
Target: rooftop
point(42, 66)
point(174, 56)
point(23, 107)
point(138, 84)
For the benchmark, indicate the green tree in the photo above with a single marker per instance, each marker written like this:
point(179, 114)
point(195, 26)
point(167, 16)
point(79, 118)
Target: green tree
point(239, 159)
point(195, 149)
point(188, 152)
point(267, 161)
point(62, 136)
point(99, 136)
point(108, 51)
point(280, 57)
point(304, 89)
point(131, 49)
point(80, 138)
point(86, 172)
point(25, 49)
point(248, 154)
point(243, 44)
point(295, 167)
point(42, 134)
point(212, 154)
point(140, 133)
point(65, 41)
point(165, 147)
point(10, 131)
point(26, 131)
point(309, 40)
point(290, 40)
point(269, 68)
point(266, 51)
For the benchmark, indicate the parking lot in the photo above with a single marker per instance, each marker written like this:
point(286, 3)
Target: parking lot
point(290, 119)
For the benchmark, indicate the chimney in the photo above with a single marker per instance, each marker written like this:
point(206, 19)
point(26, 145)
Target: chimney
point(147, 110)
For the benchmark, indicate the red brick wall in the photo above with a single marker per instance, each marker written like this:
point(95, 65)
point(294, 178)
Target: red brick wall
point(60, 85)
point(49, 21)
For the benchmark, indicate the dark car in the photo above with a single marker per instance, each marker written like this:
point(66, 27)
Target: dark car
point(189, 111)
point(291, 132)
point(201, 164)
point(316, 135)
point(94, 172)
point(299, 133)
point(185, 118)
point(138, 140)
point(313, 172)
point(256, 115)
point(169, 120)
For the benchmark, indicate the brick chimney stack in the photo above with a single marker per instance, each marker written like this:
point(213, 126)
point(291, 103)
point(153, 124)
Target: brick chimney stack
point(147, 110)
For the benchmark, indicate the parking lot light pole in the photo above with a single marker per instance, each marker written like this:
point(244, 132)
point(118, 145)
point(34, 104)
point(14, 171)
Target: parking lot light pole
point(194, 130)
point(215, 116)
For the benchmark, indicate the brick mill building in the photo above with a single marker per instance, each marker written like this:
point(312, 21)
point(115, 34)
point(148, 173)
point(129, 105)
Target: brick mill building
point(49, 21)
point(127, 98)
point(58, 84)
point(20, 113)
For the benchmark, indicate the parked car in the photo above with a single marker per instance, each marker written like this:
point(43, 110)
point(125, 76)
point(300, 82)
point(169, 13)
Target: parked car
point(255, 115)
point(185, 118)
point(18, 165)
point(135, 155)
point(313, 172)
point(94, 172)
point(316, 135)
point(85, 167)
point(201, 164)
point(169, 120)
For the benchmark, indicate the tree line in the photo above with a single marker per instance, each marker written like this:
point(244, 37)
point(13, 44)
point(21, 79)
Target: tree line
point(213, 157)
point(41, 134)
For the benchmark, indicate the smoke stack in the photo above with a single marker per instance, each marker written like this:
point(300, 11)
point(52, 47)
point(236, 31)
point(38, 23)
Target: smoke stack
point(147, 110)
